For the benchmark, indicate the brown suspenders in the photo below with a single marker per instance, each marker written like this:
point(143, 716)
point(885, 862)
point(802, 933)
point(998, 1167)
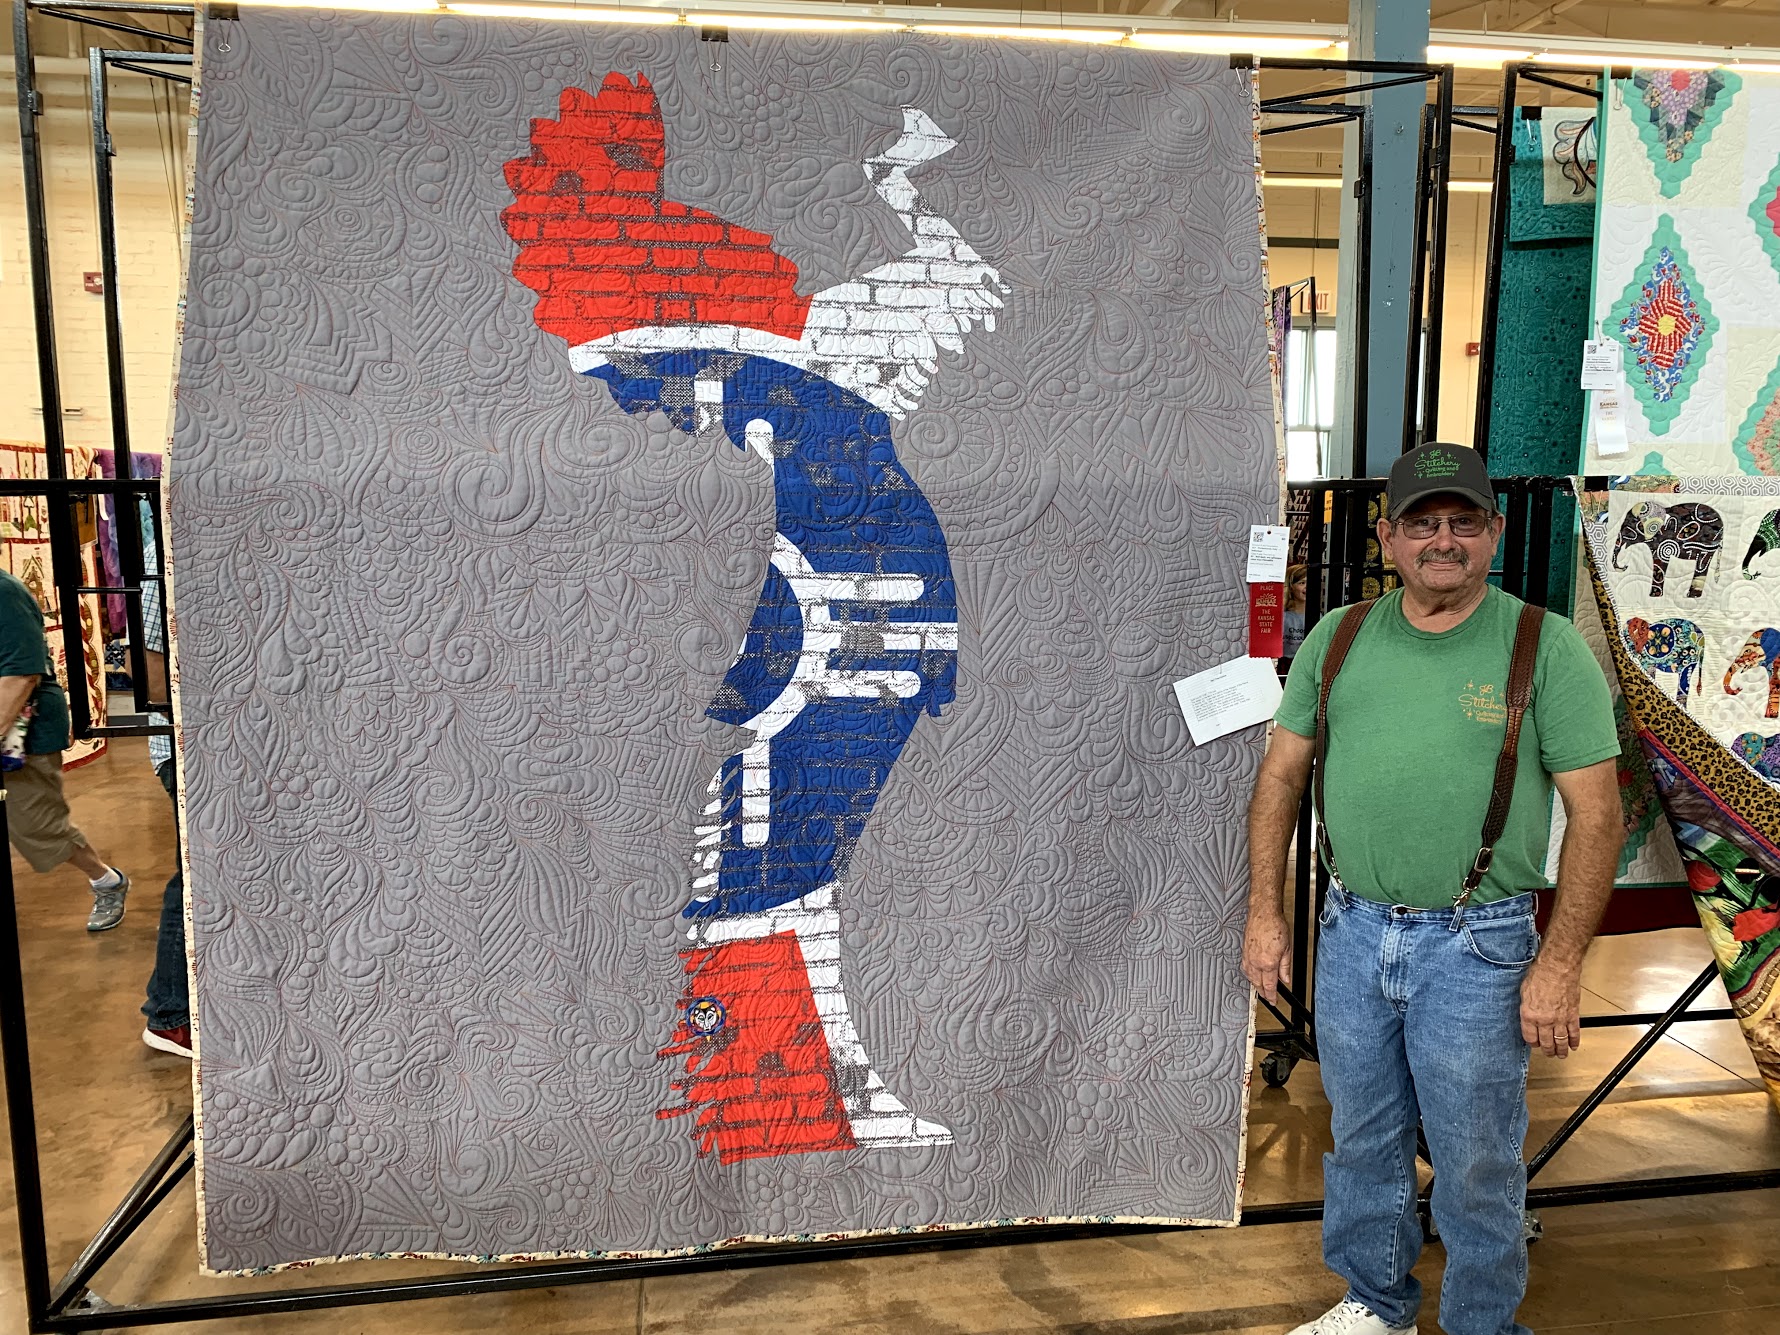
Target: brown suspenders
point(1520, 696)
point(1345, 634)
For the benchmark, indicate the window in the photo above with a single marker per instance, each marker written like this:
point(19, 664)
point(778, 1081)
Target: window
point(1309, 401)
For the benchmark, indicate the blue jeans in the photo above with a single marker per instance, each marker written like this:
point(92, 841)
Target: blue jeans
point(169, 1004)
point(1418, 1018)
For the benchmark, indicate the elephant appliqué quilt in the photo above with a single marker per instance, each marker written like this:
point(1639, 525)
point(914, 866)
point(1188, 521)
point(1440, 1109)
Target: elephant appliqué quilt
point(1687, 578)
point(679, 556)
point(1687, 269)
point(1649, 857)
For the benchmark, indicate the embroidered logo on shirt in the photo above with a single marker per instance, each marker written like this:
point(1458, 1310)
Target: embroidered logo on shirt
point(1482, 704)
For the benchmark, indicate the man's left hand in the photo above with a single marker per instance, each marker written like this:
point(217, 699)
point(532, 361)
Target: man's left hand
point(1551, 1007)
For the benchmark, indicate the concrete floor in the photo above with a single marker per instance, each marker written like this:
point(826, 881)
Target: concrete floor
point(1698, 1266)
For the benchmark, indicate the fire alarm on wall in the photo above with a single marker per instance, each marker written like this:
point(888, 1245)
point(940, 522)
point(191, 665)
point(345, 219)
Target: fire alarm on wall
point(94, 283)
point(1473, 349)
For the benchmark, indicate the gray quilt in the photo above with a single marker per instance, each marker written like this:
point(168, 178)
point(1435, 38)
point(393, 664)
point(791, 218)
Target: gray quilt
point(681, 550)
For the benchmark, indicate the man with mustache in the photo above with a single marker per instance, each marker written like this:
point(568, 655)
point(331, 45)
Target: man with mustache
point(1431, 982)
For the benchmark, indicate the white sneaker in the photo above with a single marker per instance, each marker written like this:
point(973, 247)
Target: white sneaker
point(1348, 1317)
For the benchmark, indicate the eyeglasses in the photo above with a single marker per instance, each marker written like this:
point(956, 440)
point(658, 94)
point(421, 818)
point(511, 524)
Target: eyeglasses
point(1426, 526)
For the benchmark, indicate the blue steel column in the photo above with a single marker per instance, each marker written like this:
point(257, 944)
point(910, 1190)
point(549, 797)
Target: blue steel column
point(1380, 30)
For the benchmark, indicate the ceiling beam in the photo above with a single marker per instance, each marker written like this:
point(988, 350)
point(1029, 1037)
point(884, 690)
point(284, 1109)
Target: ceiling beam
point(1698, 9)
point(1545, 16)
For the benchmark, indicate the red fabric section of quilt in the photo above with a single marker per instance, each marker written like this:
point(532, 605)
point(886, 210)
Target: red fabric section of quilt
point(603, 249)
point(1665, 322)
point(759, 1079)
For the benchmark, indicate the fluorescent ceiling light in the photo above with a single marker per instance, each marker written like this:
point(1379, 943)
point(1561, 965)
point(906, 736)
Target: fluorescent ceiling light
point(1039, 34)
point(1232, 43)
point(788, 23)
point(379, 6)
point(1474, 57)
point(1334, 183)
point(572, 12)
point(1742, 68)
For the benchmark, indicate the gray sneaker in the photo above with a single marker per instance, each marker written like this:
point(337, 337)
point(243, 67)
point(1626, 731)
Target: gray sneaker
point(108, 906)
point(1349, 1317)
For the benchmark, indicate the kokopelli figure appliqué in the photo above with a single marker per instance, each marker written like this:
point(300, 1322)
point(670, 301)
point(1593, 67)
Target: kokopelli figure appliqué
point(855, 634)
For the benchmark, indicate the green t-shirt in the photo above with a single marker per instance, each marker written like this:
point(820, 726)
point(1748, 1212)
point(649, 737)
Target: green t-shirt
point(1415, 725)
point(24, 652)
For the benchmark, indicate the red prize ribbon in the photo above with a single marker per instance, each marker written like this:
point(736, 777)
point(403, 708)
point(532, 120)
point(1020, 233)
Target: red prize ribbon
point(1266, 620)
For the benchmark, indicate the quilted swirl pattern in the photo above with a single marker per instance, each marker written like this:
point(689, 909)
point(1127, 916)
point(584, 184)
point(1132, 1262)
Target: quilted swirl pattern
point(449, 620)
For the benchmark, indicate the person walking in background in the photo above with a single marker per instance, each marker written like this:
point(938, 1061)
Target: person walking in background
point(37, 817)
point(1297, 589)
point(167, 1008)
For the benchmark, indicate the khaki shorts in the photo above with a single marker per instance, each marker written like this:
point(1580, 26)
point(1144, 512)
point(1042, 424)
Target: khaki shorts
point(37, 813)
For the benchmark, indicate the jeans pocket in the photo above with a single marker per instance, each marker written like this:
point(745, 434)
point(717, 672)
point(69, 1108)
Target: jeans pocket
point(1331, 911)
point(1504, 943)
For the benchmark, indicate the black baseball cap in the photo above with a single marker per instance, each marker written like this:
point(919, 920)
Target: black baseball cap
point(1438, 469)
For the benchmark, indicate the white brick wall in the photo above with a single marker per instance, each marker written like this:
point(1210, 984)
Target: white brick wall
point(147, 182)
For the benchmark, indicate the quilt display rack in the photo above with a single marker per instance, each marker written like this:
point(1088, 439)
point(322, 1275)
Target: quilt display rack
point(1341, 571)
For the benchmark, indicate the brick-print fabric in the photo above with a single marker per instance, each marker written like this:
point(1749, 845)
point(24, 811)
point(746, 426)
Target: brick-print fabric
point(760, 714)
point(606, 251)
point(856, 632)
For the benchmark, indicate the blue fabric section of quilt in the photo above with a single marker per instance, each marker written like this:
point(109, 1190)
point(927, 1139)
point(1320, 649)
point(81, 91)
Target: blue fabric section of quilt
point(845, 502)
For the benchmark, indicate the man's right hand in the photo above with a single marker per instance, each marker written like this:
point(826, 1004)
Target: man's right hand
point(1267, 954)
point(1272, 817)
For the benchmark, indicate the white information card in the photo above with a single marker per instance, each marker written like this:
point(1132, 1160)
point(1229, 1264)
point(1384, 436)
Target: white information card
point(1233, 695)
point(1601, 364)
point(1268, 546)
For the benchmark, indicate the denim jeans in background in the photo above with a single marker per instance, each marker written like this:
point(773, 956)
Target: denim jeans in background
point(169, 1004)
point(1418, 1017)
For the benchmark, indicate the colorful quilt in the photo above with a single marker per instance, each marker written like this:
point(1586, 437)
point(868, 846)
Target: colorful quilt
point(1687, 269)
point(114, 604)
point(1649, 858)
point(1687, 573)
point(680, 551)
point(24, 542)
point(1542, 312)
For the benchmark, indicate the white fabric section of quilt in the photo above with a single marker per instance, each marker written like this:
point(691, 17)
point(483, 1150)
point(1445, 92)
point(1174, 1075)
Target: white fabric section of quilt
point(1687, 269)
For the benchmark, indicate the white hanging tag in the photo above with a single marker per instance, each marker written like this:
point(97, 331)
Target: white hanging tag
point(1608, 415)
point(1602, 364)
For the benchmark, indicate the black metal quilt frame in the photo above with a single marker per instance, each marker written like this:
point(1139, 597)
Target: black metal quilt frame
point(70, 1303)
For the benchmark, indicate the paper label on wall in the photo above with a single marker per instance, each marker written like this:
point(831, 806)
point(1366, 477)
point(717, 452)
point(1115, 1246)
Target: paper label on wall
point(1233, 695)
point(1601, 364)
point(1268, 545)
